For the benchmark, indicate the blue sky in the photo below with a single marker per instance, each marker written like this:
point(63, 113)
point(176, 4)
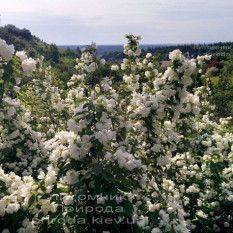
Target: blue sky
point(106, 21)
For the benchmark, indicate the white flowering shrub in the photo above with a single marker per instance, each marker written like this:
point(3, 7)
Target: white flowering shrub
point(121, 148)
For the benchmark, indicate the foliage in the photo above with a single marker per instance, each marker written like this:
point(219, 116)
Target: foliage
point(118, 147)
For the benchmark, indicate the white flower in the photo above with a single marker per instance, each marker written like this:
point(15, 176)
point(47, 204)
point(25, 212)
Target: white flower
point(176, 55)
point(115, 67)
point(127, 160)
point(27, 227)
point(128, 78)
point(71, 177)
point(201, 59)
point(50, 178)
point(105, 135)
point(12, 208)
point(68, 199)
point(143, 221)
point(21, 55)
point(153, 207)
point(147, 74)
point(138, 52)
point(201, 214)
point(91, 68)
point(97, 89)
point(6, 51)
point(192, 189)
point(123, 66)
point(17, 80)
point(226, 224)
point(102, 61)
point(47, 206)
point(148, 55)
point(29, 65)
point(41, 175)
point(77, 77)
point(101, 200)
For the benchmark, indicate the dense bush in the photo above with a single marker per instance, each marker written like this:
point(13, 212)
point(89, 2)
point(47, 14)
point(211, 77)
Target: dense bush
point(119, 148)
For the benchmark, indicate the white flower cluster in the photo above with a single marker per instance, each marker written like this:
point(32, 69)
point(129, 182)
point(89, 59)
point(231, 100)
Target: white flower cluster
point(132, 49)
point(6, 51)
point(148, 138)
point(22, 146)
point(127, 160)
point(28, 64)
point(18, 192)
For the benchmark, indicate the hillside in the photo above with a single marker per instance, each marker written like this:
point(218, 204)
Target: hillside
point(63, 61)
point(24, 40)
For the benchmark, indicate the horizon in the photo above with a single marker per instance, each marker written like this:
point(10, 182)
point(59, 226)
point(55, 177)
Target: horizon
point(122, 44)
point(106, 22)
point(153, 44)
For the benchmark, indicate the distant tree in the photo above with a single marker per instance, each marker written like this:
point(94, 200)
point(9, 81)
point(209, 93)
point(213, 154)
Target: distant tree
point(52, 53)
point(69, 53)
